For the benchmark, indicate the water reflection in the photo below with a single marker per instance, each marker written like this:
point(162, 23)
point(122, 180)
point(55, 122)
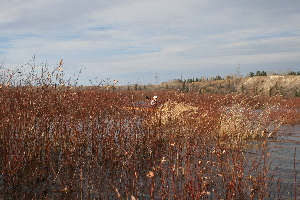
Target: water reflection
point(284, 158)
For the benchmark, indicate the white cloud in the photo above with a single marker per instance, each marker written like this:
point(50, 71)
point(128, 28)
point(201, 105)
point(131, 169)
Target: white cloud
point(117, 38)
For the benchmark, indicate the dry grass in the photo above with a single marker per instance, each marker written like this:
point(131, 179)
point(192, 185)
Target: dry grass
point(244, 122)
point(75, 143)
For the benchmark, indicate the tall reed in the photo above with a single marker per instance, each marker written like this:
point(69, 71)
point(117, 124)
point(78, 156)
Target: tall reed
point(63, 142)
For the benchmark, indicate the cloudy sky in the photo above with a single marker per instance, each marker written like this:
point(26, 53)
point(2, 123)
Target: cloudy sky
point(135, 40)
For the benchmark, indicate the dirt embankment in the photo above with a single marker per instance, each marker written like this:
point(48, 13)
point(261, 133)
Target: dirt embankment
point(271, 85)
point(258, 85)
point(287, 85)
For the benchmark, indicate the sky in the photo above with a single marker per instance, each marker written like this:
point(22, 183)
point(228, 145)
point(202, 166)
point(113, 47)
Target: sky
point(151, 41)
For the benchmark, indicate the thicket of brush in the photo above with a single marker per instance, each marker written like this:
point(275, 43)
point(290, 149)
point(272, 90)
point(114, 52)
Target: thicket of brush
point(59, 142)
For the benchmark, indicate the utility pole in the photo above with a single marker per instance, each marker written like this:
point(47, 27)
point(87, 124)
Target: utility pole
point(156, 77)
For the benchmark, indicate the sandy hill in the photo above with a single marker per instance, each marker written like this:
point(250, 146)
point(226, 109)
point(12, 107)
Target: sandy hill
point(258, 85)
point(287, 85)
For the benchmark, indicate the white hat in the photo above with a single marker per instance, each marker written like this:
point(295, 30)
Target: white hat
point(155, 97)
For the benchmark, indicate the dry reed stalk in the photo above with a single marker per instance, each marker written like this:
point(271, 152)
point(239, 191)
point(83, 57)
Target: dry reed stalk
point(60, 142)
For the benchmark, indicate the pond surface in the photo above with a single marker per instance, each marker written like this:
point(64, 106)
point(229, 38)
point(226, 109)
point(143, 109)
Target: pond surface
point(284, 159)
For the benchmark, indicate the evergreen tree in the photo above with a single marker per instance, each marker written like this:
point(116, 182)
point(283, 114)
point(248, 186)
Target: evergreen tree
point(251, 74)
point(218, 77)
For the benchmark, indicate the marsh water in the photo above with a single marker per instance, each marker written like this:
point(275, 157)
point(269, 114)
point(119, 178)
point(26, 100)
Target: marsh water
point(284, 162)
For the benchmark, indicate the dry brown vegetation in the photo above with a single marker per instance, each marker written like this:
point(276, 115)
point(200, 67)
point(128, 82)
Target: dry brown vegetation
point(79, 143)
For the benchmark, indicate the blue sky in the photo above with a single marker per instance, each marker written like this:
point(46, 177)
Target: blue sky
point(132, 40)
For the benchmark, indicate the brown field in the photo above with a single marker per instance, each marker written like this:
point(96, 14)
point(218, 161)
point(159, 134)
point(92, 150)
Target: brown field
point(74, 143)
point(63, 142)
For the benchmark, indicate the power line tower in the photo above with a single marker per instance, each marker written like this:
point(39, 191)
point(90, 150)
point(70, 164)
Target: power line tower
point(156, 78)
point(238, 69)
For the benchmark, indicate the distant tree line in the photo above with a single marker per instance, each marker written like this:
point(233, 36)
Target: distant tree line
point(218, 77)
point(264, 73)
point(294, 73)
point(258, 73)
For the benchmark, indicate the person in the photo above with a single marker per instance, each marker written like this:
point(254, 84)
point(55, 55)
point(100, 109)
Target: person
point(153, 101)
